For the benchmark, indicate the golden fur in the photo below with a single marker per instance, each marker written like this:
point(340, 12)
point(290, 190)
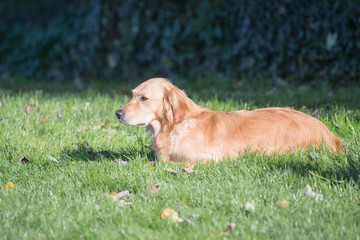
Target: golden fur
point(184, 131)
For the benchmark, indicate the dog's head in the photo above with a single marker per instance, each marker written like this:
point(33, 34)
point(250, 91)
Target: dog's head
point(155, 99)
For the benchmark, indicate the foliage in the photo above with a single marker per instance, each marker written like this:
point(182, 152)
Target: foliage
point(293, 40)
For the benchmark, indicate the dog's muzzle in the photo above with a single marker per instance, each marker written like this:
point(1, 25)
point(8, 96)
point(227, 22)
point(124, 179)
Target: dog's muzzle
point(120, 114)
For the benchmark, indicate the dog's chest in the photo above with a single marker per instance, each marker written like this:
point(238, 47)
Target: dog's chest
point(175, 144)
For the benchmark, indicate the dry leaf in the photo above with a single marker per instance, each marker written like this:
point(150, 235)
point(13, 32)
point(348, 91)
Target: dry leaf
point(44, 119)
point(122, 194)
point(116, 196)
point(121, 162)
point(309, 193)
point(171, 215)
point(28, 108)
point(250, 207)
point(170, 170)
point(189, 169)
point(59, 115)
point(230, 228)
point(282, 203)
point(9, 185)
point(227, 231)
point(155, 188)
point(316, 112)
point(23, 160)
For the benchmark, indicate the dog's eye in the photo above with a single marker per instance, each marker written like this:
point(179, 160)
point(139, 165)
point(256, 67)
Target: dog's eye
point(142, 98)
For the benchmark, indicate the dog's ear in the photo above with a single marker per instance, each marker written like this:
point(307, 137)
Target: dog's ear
point(176, 105)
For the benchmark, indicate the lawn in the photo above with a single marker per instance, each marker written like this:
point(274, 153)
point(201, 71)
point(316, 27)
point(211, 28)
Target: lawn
point(71, 140)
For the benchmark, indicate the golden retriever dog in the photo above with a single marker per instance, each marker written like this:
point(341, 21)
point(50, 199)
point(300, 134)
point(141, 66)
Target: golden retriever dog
point(184, 131)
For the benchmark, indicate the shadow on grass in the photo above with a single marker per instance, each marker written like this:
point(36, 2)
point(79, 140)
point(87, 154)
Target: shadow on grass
point(84, 152)
point(325, 165)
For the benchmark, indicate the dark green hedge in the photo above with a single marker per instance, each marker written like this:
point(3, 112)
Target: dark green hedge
point(294, 40)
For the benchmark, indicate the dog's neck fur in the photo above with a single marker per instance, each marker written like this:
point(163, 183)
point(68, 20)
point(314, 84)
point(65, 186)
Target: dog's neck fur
point(161, 127)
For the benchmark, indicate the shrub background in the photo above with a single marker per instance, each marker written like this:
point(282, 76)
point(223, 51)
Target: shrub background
point(298, 41)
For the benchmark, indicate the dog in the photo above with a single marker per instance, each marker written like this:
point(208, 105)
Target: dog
point(184, 131)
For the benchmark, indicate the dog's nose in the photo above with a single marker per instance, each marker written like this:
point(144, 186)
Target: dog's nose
point(119, 113)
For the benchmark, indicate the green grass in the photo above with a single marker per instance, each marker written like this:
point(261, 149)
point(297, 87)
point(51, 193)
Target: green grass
point(60, 194)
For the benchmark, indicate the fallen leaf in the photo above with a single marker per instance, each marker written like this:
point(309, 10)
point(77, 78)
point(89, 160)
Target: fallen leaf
point(316, 112)
point(59, 115)
point(170, 170)
point(171, 215)
point(122, 194)
point(116, 196)
point(189, 169)
point(230, 228)
point(282, 203)
point(309, 193)
point(155, 188)
point(28, 108)
point(23, 160)
point(121, 162)
point(44, 119)
point(250, 207)
point(188, 164)
point(9, 185)
point(227, 231)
